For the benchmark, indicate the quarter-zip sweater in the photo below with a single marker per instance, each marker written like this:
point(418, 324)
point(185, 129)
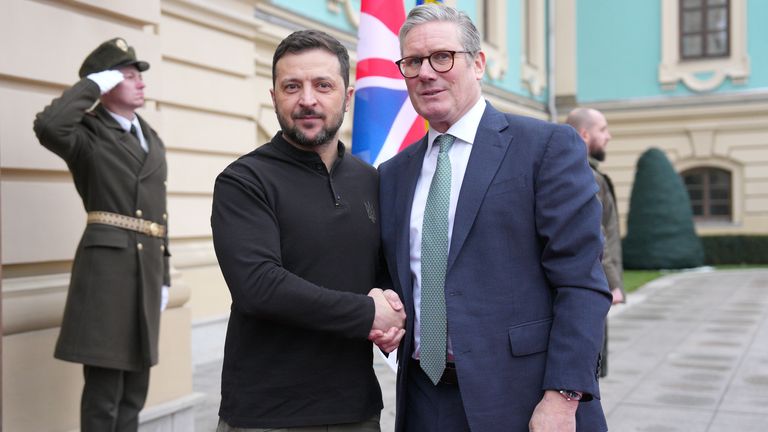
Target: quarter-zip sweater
point(299, 249)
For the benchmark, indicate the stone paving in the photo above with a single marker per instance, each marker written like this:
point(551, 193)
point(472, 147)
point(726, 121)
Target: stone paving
point(688, 353)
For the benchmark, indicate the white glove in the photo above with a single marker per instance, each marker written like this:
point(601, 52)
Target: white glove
point(106, 80)
point(164, 297)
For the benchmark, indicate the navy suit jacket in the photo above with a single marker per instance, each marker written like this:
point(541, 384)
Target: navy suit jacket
point(526, 296)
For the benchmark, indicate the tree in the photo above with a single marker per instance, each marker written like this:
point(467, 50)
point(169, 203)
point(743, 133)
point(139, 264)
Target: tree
point(660, 230)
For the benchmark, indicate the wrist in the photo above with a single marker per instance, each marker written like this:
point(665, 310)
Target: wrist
point(571, 395)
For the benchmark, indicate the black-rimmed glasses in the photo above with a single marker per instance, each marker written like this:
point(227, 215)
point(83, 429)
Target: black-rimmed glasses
point(440, 61)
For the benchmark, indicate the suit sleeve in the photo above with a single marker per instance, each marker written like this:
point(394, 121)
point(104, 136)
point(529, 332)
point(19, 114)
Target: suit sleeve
point(246, 238)
point(568, 217)
point(56, 126)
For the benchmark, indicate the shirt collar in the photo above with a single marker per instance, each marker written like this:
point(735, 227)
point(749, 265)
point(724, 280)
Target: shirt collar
point(466, 128)
point(296, 153)
point(124, 122)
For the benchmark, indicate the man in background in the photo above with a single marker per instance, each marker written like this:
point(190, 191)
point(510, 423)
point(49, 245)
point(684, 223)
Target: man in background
point(593, 129)
point(120, 275)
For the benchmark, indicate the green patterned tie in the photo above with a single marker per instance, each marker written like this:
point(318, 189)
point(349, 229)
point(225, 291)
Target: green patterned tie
point(434, 259)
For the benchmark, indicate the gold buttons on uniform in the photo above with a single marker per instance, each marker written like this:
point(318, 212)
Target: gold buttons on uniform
point(162, 248)
point(139, 213)
point(140, 246)
point(165, 216)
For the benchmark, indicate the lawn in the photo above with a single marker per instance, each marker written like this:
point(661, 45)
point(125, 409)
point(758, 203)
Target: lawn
point(634, 279)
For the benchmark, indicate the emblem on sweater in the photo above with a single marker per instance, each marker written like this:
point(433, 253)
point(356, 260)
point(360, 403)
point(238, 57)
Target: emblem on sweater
point(371, 211)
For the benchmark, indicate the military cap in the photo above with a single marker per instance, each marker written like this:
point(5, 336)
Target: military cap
point(110, 54)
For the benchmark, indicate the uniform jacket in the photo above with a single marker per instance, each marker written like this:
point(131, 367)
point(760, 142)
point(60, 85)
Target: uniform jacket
point(525, 293)
point(112, 314)
point(612, 263)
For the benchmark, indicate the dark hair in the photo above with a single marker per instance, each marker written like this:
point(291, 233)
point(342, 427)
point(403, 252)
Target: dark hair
point(304, 40)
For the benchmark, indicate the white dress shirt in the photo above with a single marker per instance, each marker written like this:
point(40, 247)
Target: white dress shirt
point(464, 130)
point(126, 125)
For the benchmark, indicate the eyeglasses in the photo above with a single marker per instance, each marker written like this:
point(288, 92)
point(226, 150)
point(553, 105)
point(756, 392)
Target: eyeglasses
point(440, 61)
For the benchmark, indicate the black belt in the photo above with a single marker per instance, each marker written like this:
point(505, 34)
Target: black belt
point(449, 374)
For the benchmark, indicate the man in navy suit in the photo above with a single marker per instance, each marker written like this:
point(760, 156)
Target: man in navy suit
point(492, 238)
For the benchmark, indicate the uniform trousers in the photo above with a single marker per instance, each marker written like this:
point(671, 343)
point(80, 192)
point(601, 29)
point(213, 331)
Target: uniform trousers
point(370, 425)
point(432, 408)
point(112, 399)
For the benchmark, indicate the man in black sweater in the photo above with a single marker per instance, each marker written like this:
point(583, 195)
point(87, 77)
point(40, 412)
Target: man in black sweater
point(296, 232)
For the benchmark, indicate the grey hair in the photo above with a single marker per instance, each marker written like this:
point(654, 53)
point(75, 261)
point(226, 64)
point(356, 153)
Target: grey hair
point(468, 34)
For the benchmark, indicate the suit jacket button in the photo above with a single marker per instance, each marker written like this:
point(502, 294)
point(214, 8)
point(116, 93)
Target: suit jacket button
point(140, 246)
point(139, 213)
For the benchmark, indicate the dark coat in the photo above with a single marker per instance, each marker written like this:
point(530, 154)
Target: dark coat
point(610, 222)
point(112, 314)
point(525, 293)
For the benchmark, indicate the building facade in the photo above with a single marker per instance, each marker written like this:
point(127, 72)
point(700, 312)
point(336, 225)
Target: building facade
point(686, 76)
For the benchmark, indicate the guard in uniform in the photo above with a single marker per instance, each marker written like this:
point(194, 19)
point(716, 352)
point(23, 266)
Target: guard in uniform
point(120, 275)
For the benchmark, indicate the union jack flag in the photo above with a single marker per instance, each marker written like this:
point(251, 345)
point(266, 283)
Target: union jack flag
point(384, 121)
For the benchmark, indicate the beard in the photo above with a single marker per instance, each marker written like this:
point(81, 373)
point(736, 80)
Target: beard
point(598, 155)
point(293, 134)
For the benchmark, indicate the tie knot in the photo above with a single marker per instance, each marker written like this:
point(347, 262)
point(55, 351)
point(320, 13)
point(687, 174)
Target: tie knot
point(445, 142)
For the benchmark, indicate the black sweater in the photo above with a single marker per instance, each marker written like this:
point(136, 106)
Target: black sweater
point(299, 250)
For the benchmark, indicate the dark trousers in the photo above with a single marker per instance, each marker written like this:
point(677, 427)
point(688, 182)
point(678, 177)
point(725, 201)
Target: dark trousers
point(370, 425)
point(112, 399)
point(432, 408)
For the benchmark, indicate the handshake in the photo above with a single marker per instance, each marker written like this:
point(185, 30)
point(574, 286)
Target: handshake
point(388, 321)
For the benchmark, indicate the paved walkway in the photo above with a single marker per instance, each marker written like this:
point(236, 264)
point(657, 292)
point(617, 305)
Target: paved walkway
point(688, 353)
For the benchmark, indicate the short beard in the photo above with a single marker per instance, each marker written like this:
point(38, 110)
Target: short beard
point(598, 155)
point(296, 136)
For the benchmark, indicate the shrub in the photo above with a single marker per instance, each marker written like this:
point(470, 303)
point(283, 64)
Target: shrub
point(660, 230)
point(735, 249)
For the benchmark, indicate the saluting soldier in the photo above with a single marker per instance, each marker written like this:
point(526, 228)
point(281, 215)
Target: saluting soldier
point(120, 276)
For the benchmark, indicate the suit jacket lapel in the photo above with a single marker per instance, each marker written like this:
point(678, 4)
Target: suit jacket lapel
point(155, 157)
point(492, 141)
point(406, 188)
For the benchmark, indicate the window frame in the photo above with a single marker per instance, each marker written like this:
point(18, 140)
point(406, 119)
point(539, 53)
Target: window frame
point(702, 75)
point(706, 188)
point(705, 9)
point(533, 72)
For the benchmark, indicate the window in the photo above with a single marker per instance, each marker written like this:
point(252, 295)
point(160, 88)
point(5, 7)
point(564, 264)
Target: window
point(704, 29)
point(703, 43)
point(492, 26)
point(710, 192)
point(534, 73)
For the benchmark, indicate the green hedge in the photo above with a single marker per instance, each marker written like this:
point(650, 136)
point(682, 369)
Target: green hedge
point(660, 231)
point(735, 249)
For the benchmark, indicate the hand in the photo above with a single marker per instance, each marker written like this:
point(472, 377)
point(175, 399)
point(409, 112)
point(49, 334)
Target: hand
point(389, 310)
point(106, 80)
point(554, 413)
point(387, 341)
point(618, 297)
point(164, 297)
